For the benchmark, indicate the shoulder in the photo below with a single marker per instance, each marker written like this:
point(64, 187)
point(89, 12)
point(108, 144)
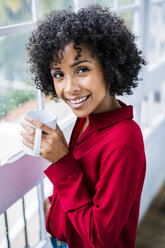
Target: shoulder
point(124, 133)
point(128, 130)
point(124, 145)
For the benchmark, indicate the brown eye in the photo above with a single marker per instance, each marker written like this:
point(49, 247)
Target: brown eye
point(83, 70)
point(58, 75)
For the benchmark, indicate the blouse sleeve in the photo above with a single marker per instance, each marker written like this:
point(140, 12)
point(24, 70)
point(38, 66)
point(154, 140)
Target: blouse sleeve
point(99, 220)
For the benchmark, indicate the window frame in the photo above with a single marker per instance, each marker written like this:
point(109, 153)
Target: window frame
point(23, 27)
point(17, 29)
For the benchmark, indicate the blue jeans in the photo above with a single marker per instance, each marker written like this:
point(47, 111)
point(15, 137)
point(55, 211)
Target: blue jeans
point(58, 244)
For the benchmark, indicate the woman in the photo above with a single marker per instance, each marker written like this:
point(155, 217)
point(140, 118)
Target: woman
point(86, 59)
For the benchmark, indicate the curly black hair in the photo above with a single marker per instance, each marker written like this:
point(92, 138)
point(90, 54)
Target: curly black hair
point(99, 30)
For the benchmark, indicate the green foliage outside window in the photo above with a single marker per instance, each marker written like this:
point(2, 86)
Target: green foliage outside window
point(12, 99)
point(127, 16)
point(14, 11)
point(48, 5)
point(125, 2)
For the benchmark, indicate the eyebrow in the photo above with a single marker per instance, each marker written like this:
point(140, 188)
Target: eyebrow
point(55, 68)
point(73, 65)
point(79, 62)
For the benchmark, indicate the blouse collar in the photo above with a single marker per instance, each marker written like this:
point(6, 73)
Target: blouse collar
point(106, 119)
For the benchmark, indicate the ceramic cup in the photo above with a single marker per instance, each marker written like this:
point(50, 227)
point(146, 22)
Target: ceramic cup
point(48, 119)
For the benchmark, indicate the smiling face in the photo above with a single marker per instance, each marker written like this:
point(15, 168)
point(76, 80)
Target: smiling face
point(81, 83)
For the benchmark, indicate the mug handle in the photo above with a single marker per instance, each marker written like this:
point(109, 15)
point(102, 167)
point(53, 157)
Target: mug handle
point(37, 141)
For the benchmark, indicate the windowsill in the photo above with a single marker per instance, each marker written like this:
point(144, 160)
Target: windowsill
point(10, 135)
point(12, 157)
point(10, 145)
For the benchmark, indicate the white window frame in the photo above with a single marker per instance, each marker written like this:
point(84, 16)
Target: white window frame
point(17, 29)
point(23, 27)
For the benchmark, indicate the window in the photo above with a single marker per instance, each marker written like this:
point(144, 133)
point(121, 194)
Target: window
point(18, 94)
point(156, 37)
point(127, 9)
point(14, 12)
point(48, 5)
point(125, 2)
point(105, 3)
point(127, 16)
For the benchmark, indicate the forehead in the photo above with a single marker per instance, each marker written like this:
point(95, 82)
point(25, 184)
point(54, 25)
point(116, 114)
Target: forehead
point(72, 48)
point(72, 53)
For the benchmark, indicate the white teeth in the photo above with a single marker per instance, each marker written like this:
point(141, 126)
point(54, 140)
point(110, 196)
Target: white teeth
point(79, 100)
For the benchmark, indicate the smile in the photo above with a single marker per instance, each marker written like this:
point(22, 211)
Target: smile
point(78, 102)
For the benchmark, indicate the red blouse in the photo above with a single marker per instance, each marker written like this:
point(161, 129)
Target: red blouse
point(98, 184)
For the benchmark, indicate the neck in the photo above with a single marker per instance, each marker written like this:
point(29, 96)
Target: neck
point(112, 105)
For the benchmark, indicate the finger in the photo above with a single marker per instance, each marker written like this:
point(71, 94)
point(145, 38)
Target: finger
point(26, 143)
point(28, 128)
point(27, 137)
point(39, 125)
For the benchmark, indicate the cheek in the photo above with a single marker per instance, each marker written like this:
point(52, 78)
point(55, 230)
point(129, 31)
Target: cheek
point(99, 89)
point(58, 89)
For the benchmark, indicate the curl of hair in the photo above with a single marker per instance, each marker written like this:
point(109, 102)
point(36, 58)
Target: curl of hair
point(98, 29)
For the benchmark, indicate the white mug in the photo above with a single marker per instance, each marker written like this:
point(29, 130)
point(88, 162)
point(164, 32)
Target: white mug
point(48, 119)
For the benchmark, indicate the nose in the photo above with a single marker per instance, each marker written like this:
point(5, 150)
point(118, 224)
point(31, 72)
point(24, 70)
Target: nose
point(71, 85)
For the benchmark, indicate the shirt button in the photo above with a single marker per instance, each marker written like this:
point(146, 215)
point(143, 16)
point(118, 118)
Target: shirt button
point(59, 243)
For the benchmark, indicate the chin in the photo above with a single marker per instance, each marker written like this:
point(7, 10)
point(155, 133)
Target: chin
point(81, 115)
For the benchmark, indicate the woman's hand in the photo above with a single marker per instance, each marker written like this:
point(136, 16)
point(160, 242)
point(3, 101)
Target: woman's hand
point(53, 143)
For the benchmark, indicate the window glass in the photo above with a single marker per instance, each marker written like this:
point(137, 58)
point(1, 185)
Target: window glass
point(105, 3)
point(127, 16)
point(48, 5)
point(125, 2)
point(16, 94)
point(14, 12)
point(156, 37)
point(162, 32)
point(152, 33)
